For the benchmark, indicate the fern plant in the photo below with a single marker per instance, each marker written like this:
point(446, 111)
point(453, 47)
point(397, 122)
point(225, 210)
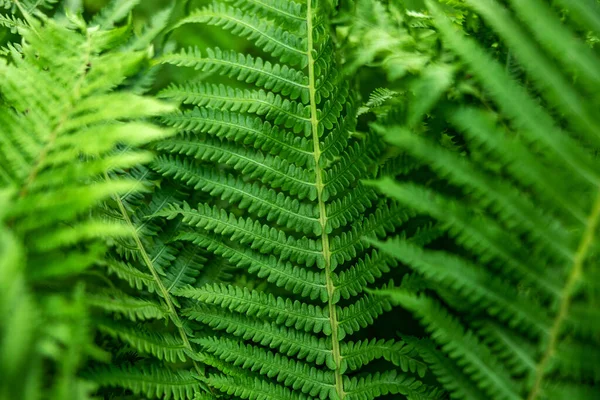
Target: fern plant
point(275, 152)
point(62, 122)
point(124, 318)
point(256, 257)
point(512, 312)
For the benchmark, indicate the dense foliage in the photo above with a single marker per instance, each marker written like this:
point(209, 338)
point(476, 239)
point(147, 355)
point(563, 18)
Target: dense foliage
point(299, 199)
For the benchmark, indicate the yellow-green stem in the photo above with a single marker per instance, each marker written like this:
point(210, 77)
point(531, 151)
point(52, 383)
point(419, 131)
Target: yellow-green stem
point(339, 383)
point(159, 283)
point(575, 275)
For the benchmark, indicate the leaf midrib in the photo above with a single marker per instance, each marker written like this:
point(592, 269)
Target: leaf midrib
point(314, 121)
point(574, 277)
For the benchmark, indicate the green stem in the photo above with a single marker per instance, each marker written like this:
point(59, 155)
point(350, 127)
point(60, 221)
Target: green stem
point(333, 319)
point(575, 276)
point(159, 283)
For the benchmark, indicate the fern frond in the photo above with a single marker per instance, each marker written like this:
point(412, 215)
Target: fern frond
point(164, 346)
point(558, 40)
point(453, 379)
point(518, 354)
point(133, 308)
point(273, 107)
point(260, 237)
point(64, 128)
point(284, 11)
point(294, 374)
point(12, 22)
point(576, 392)
point(280, 43)
point(297, 280)
point(474, 285)
point(585, 11)
point(273, 77)
point(575, 54)
point(265, 167)
point(151, 381)
point(246, 130)
point(351, 207)
point(272, 156)
point(288, 341)
point(360, 314)
point(259, 389)
point(357, 354)
point(355, 280)
point(507, 203)
point(267, 203)
point(252, 303)
point(479, 127)
point(482, 238)
point(537, 125)
point(169, 267)
point(384, 383)
point(520, 202)
point(185, 269)
point(136, 278)
point(114, 12)
point(471, 355)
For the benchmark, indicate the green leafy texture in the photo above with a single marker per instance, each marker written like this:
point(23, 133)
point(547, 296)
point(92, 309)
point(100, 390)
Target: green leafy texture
point(389, 36)
point(28, 5)
point(522, 204)
point(272, 155)
point(16, 16)
point(25, 8)
point(62, 123)
point(150, 381)
point(114, 12)
point(150, 267)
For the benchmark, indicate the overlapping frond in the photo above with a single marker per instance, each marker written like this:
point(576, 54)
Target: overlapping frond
point(62, 130)
point(521, 203)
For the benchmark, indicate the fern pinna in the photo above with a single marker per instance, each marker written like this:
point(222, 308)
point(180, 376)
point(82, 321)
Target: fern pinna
point(513, 311)
point(276, 152)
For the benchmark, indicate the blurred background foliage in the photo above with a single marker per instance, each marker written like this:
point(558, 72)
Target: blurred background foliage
point(184, 37)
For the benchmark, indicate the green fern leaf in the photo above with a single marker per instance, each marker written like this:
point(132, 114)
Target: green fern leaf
point(150, 381)
point(163, 346)
point(270, 152)
point(132, 307)
point(520, 203)
point(245, 68)
point(64, 129)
